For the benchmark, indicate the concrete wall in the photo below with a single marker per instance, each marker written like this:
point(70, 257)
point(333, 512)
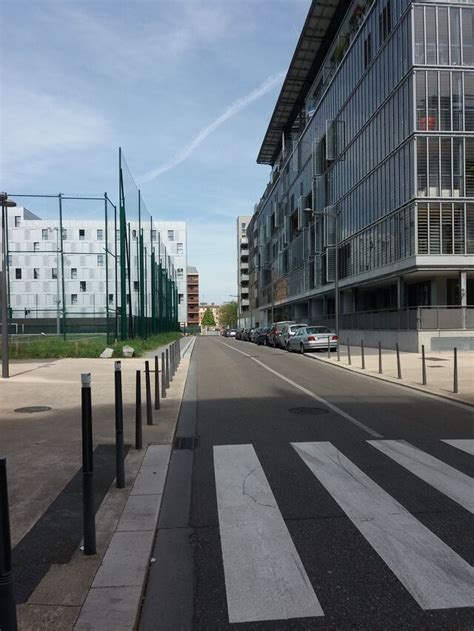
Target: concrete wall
point(411, 341)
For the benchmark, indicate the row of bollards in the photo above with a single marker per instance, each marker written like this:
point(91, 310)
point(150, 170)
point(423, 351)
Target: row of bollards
point(170, 360)
point(399, 365)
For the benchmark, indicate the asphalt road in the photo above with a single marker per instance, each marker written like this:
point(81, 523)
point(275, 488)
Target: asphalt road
point(315, 499)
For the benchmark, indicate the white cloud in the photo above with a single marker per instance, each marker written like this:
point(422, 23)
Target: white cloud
point(233, 109)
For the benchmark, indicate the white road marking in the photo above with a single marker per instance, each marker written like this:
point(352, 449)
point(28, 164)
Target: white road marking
point(431, 571)
point(466, 444)
point(264, 576)
point(325, 402)
point(456, 485)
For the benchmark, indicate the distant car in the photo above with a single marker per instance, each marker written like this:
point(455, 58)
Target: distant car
point(287, 331)
point(231, 333)
point(313, 338)
point(253, 334)
point(261, 338)
point(238, 334)
point(274, 336)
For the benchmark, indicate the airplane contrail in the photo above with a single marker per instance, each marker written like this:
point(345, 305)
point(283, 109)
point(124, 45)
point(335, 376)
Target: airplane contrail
point(233, 109)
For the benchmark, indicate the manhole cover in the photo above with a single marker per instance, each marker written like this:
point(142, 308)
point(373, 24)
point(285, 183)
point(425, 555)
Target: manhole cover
point(33, 409)
point(186, 442)
point(309, 411)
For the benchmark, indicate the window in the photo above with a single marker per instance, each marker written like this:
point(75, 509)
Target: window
point(64, 234)
point(111, 299)
point(179, 248)
point(100, 260)
point(73, 273)
point(74, 299)
point(82, 285)
point(54, 273)
point(385, 22)
point(367, 50)
point(100, 234)
point(82, 235)
point(242, 227)
point(180, 272)
point(36, 273)
point(17, 221)
point(134, 234)
point(170, 235)
point(135, 285)
point(153, 235)
point(36, 246)
point(180, 298)
point(44, 234)
point(18, 273)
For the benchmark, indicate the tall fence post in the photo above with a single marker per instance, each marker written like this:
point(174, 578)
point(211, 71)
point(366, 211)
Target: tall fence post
point(87, 467)
point(455, 375)
point(423, 365)
point(149, 412)
point(167, 368)
point(163, 376)
point(380, 358)
point(119, 450)
point(138, 411)
point(362, 354)
point(348, 352)
point(399, 365)
point(157, 384)
point(7, 594)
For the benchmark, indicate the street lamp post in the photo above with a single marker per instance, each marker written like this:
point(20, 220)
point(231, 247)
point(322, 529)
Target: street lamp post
point(6, 203)
point(58, 301)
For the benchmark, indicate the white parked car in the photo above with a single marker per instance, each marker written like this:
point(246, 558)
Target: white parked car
point(287, 331)
point(313, 338)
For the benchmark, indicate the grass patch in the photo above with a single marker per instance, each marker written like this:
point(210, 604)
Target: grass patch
point(57, 348)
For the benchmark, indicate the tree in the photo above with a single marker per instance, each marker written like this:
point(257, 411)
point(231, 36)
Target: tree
point(228, 314)
point(208, 318)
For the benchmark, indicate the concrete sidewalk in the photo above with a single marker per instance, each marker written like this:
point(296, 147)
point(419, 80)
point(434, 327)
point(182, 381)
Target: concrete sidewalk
point(43, 453)
point(439, 369)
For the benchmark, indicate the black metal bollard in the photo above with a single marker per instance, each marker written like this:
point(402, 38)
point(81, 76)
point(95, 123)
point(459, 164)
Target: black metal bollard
point(399, 365)
point(157, 384)
point(338, 350)
point(167, 368)
point(380, 358)
point(178, 353)
point(119, 450)
point(87, 467)
point(348, 352)
point(455, 375)
point(149, 412)
point(362, 354)
point(7, 591)
point(138, 411)
point(423, 365)
point(163, 376)
point(171, 361)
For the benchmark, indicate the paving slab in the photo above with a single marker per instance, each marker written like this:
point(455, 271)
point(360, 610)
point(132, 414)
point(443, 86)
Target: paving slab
point(110, 609)
point(140, 513)
point(126, 560)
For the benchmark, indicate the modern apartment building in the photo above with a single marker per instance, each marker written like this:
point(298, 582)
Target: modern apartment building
point(37, 267)
point(371, 149)
point(193, 297)
point(243, 314)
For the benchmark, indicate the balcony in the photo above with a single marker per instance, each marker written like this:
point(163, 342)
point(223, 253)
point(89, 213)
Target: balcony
point(244, 277)
point(244, 302)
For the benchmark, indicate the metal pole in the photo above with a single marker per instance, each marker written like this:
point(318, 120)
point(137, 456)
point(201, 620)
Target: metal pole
point(455, 378)
point(119, 450)
point(87, 467)
point(163, 376)
point(399, 365)
point(336, 280)
point(5, 349)
point(157, 384)
point(167, 368)
point(7, 593)
point(348, 352)
point(362, 354)
point(149, 412)
point(138, 411)
point(329, 347)
point(423, 365)
point(380, 358)
point(338, 351)
point(63, 287)
point(58, 327)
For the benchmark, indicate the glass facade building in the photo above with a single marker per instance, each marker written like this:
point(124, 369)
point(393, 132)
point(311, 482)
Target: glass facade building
point(371, 146)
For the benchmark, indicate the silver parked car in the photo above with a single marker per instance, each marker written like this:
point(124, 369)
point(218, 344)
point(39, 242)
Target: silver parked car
point(287, 331)
point(312, 338)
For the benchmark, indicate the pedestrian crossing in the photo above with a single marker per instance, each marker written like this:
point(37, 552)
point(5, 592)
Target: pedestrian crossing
point(265, 578)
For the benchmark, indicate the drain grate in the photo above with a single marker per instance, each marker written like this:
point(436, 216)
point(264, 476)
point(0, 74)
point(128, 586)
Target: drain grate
point(186, 442)
point(33, 409)
point(309, 411)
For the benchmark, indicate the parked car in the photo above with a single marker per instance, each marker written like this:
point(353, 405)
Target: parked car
point(313, 338)
point(262, 336)
point(253, 334)
point(238, 334)
point(274, 338)
point(231, 333)
point(287, 331)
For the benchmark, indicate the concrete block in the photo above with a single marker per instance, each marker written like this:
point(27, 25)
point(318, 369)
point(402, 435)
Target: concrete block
point(128, 351)
point(107, 353)
point(110, 609)
point(150, 481)
point(140, 513)
point(126, 560)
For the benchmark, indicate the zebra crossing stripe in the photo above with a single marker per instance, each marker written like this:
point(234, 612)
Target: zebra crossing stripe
point(431, 571)
point(456, 485)
point(466, 444)
point(264, 576)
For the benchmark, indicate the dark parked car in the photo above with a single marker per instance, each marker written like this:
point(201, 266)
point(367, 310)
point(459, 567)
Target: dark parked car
point(262, 336)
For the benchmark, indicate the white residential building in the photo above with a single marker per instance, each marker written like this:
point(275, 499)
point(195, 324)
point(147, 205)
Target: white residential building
point(243, 312)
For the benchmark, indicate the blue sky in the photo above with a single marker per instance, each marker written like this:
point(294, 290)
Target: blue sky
point(79, 79)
